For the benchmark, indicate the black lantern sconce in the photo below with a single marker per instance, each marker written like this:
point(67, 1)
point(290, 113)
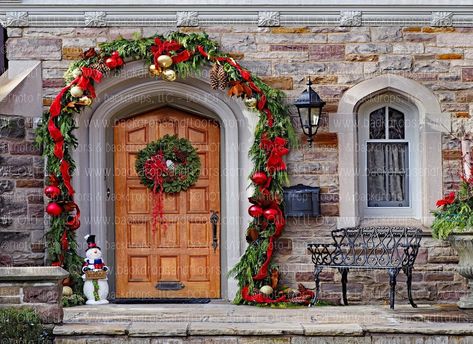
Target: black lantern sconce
point(309, 106)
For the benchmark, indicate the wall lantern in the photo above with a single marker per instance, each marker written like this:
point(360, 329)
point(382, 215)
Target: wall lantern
point(309, 106)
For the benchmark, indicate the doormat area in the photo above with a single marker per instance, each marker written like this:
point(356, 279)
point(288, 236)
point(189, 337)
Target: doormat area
point(149, 301)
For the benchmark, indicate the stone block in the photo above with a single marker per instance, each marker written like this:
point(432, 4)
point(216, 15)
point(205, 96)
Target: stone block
point(408, 48)
point(72, 53)
point(419, 37)
point(29, 183)
point(39, 294)
point(6, 186)
point(361, 58)
point(29, 48)
point(348, 37)
point(368, 48)
point(428, 66)
point(327, 52)
point(395, 62)
point(9, 290)
point(454, 40)
point(10, 300)
point(158, 329)
point(449, 56)
point(239, 43)
point(24, 148)
point(279, 82)
point(467, 74)
point(389, 34)
point(288, 38)
point(12, 127)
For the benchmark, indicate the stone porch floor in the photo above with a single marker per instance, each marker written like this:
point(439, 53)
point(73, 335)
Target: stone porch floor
point(220, 322)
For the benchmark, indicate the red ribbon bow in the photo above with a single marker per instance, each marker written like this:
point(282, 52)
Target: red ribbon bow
point(276, 149)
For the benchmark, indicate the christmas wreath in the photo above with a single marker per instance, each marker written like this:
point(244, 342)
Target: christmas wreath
point(168, 57)
point(168, 165)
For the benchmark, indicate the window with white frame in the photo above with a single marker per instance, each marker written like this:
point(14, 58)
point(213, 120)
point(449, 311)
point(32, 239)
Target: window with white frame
point(388, 157)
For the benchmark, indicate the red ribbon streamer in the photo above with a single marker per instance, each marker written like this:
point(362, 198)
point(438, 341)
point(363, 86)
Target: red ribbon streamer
point(263, 271)
point(259, 298)
point(84, 82)
point(154, 169)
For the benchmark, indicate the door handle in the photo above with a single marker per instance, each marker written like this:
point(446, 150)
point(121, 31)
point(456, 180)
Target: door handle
point(108, 193)
point(214, 222)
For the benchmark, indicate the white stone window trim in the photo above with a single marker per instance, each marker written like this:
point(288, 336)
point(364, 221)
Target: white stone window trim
point(411, 119)
point(432, 123)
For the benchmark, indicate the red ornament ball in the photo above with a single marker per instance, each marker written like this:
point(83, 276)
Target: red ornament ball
point(52, 191)
point(270, 214)
point(259, 178)
point(255, 211)
point(54, 209)
point(111, 62)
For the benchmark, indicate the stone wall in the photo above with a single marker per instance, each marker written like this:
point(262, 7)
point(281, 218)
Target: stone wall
point(21, 194)
point(39, 288)
point(336, 58)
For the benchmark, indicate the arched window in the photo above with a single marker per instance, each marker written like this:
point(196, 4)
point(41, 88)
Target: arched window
point(388, 158)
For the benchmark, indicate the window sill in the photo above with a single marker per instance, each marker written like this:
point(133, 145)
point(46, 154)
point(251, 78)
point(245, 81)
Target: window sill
point(394, 221)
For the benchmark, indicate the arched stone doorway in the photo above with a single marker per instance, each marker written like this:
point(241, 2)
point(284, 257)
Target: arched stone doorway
point(132, 92)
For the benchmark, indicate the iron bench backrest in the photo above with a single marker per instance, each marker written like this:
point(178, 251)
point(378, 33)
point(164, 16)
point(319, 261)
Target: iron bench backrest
point(369, 247)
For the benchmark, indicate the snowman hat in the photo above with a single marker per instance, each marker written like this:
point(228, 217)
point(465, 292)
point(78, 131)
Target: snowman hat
point(90, 242)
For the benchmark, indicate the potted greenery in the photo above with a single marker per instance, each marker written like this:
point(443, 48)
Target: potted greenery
point(454, 222)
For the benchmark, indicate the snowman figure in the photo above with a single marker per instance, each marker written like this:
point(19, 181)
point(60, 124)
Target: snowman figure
point(95, 282)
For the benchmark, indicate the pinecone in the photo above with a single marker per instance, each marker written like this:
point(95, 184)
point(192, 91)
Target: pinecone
point(222, 78)
point(214, 76)
point(100, 66)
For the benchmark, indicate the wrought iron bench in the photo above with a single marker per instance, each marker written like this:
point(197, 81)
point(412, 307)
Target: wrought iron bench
point(390, 248)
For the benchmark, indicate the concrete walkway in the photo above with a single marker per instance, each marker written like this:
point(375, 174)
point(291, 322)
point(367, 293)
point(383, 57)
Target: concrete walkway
point(222, 322)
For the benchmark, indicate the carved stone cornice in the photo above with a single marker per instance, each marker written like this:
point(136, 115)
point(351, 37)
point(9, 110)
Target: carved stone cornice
point(54, 13)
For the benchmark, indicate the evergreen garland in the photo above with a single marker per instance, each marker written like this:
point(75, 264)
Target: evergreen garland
point(203, 52)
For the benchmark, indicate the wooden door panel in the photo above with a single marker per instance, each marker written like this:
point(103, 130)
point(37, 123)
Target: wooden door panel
point(182, 250)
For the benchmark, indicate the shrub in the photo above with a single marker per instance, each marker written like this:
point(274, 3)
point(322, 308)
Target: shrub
point(22, 325)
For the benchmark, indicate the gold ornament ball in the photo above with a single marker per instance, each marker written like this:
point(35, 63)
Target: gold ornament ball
point(76, 73)
point(266, 290)
point(250, 102)
point(165, 61)
point(169, 75)
point(77, 92)
point(86, 100)
point(154, 70)
point(67, 291)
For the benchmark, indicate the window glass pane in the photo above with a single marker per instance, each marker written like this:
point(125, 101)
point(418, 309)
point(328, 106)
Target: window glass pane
point(387, 176)
point(378, 124)
point(396, 124)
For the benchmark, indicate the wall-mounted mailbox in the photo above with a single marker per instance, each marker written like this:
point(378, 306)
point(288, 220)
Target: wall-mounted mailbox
point(302, 200)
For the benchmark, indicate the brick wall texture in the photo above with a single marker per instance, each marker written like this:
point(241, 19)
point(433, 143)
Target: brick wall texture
point(336, 58)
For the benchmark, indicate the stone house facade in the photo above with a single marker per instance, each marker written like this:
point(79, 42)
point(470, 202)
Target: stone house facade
point(431, 54)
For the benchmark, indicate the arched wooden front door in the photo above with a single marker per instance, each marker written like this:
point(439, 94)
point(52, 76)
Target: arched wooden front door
point(178, 261)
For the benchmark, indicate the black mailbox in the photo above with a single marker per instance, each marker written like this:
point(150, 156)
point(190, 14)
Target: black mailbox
point(302, 200)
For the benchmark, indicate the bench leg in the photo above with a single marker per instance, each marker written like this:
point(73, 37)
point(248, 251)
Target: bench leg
point(317, 271)
point(408, 271)
point(393, 272)
point(344, 272)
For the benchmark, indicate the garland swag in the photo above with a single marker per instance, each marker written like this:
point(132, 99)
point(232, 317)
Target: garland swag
point(182, 55)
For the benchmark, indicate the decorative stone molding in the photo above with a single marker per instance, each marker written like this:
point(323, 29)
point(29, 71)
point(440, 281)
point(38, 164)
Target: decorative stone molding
point(350, 18)
point(95, 19)
point(442, 19)
point(268, 18)
point(187, 18)
point(18, 19)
